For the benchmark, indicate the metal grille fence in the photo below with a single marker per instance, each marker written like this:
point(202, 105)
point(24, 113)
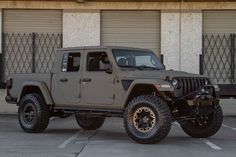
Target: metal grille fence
point(218, 57)
point(29, 53)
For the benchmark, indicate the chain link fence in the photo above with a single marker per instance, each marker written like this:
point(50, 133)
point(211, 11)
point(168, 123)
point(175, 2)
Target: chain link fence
point(29, 53)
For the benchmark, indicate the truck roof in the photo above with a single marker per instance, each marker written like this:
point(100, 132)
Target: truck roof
point(101, 47)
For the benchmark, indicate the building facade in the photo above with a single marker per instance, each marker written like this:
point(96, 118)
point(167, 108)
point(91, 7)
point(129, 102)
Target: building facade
point(197, 37)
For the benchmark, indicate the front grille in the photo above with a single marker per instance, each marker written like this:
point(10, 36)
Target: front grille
point(189, 85)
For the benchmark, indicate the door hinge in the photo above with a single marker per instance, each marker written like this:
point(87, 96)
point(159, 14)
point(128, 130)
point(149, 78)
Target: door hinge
point(114, 96)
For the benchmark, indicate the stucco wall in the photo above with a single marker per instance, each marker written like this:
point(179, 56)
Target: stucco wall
point(81, 28)
point(191, 41)
point(181, 39)
point(137, 5)
point(170, 36)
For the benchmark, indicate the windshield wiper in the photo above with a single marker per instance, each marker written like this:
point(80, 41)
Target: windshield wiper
point(131, 66)
point(142, 67)
point(148, 67)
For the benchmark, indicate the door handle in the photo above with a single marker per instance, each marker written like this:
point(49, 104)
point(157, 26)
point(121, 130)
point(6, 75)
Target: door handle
point(63, 80)
point(87, 80)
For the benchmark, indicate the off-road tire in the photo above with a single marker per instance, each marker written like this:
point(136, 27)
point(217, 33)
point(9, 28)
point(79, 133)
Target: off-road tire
point(89, 123)
point(40, 119)
point(205, 131)
point(162, 125)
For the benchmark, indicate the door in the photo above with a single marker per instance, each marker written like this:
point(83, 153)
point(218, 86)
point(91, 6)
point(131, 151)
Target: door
point(131, 28)
point(97, 82)
point(68, 80)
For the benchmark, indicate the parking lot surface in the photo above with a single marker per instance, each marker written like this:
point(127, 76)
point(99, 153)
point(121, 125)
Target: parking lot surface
point(64, 138)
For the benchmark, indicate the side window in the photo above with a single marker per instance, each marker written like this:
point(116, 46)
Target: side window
point(70, 62)
point(98, 61)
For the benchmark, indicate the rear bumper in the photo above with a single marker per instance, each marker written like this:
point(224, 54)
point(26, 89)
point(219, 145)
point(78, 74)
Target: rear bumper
point(203, 102)
point(10, 99)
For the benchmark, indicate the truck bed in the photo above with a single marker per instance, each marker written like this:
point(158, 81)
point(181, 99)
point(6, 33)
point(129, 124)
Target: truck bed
point(19, 79)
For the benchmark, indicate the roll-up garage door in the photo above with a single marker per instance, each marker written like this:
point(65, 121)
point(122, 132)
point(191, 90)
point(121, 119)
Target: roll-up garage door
point(219, 29)
point(28, 21)
point(219, 22)
point(30, 40)
point(131, 28)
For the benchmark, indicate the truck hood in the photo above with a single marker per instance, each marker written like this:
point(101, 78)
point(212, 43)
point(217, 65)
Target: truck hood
point(159, 74)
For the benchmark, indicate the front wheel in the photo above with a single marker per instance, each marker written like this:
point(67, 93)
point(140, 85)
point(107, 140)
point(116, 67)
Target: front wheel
point(147, 119)
point(204, 125)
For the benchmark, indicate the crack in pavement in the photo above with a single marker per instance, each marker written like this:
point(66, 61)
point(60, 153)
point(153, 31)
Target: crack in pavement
point(77, 154)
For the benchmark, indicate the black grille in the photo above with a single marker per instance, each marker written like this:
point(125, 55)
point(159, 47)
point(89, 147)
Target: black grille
point(189, 85)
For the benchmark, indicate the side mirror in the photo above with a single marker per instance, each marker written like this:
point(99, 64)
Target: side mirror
point(164, 67)
point(107, 67)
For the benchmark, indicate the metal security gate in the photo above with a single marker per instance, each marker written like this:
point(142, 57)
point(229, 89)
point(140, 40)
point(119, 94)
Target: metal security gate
point(29, 52)
point(218, 61)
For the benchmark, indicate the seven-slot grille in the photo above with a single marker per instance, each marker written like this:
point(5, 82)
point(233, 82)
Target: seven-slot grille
point(188, 85)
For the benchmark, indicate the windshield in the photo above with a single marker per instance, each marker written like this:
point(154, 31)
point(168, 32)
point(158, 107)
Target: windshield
point(137, 59)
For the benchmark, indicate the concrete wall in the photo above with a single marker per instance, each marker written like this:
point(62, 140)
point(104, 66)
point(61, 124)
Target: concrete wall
point(181, 39)
point(191, 41)
point(137, 5)
point(81, 28)
point(170, 38)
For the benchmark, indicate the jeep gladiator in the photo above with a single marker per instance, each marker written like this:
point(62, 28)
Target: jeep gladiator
point(97, 82)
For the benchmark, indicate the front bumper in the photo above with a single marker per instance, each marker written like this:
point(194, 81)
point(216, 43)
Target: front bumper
point(10, 99)
point(204, 102)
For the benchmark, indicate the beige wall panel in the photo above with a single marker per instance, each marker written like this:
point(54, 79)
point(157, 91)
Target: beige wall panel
point(219, 22)
point(28, 21)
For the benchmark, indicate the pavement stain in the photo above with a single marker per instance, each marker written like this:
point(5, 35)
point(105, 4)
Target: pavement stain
point(77, 154)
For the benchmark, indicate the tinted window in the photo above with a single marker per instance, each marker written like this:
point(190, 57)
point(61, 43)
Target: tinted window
point(98, 61)
point(71, 62)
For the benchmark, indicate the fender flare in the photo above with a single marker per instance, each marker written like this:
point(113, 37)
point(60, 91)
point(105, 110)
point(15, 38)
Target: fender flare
point(154, 83)
point(43, 88)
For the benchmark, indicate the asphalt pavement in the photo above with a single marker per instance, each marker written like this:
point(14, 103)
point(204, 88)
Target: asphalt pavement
point(64, 138)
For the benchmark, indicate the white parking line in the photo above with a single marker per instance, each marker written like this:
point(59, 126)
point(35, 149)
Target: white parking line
point(226, 126)
point(69, 140)
point(212, 145)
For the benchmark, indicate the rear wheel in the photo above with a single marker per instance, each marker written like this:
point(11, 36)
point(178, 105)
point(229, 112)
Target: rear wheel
point(147, 119)
point(89, 123)
point(205, 125)
point(33, 113)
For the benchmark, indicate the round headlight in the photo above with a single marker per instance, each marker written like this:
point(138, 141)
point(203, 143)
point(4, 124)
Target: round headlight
point(175, 83)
